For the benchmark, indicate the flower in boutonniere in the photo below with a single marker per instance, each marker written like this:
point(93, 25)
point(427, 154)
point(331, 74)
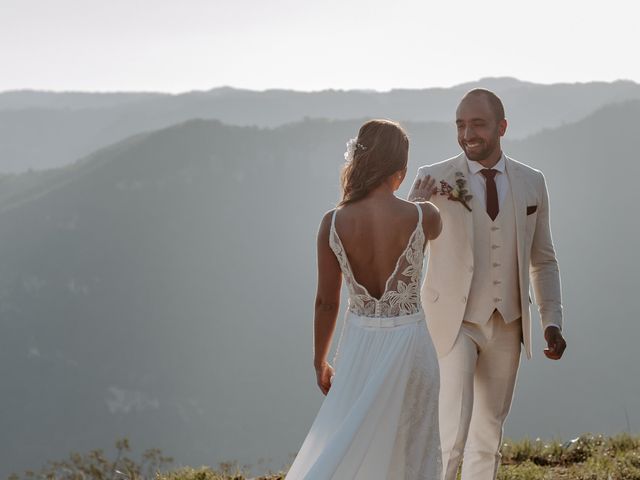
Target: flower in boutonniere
point(459, 193)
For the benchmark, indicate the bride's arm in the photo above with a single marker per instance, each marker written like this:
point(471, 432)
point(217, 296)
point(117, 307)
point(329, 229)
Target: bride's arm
point(431, 220)
point(326, 305)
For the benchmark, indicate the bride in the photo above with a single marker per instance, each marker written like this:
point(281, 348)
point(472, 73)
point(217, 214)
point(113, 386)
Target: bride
point(379, 419)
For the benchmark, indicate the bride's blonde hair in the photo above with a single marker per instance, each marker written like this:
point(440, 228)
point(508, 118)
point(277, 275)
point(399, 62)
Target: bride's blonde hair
point(382, 150)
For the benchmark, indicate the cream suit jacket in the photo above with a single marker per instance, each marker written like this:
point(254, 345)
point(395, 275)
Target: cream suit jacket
point(450, 262)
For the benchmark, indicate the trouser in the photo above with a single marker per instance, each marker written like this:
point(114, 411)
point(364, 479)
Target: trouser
point(477, 380)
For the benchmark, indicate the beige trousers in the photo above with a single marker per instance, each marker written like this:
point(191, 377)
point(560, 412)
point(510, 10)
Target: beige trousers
point(477, 380)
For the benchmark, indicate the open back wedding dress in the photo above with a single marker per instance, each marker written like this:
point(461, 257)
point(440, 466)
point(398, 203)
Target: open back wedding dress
point(380, 417)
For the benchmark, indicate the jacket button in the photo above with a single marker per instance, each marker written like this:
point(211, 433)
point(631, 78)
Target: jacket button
point(464, 299)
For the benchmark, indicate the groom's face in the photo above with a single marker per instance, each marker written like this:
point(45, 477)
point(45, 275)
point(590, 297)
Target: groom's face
point(479, 130)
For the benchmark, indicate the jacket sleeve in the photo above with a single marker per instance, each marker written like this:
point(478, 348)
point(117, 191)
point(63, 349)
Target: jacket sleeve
point(543, 268)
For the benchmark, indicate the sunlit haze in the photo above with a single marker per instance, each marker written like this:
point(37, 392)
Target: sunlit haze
point(173, 46)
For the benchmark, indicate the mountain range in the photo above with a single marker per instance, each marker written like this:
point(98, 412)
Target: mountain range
point(161, 287)
point(40, 130)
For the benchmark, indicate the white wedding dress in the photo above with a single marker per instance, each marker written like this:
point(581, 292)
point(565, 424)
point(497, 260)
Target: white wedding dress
point(380, 417)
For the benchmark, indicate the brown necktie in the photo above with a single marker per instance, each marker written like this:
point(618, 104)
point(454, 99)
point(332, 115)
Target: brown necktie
point(492, 192)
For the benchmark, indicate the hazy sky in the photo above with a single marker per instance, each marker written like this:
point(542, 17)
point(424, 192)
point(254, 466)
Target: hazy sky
point(174, 46)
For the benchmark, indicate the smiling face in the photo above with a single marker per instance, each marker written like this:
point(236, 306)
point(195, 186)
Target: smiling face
point(479, 129)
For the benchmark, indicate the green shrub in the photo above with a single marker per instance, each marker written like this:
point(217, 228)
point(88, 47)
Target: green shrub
point(96, 466)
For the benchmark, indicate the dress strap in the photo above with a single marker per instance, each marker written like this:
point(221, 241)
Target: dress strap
point(419, 225)
point(332, 230)
point(419, 213)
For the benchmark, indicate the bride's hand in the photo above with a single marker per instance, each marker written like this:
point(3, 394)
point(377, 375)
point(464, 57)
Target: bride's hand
point(324, 375)
point(423, 189)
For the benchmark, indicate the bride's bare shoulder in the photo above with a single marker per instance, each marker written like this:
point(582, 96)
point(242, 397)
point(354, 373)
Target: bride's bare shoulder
point(428, 208)
point(325, 224)
point(326, 218)
point(431, 221)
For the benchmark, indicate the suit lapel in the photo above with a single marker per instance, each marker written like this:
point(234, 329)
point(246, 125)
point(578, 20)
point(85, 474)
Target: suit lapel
point(465, 216)
point(518, 190)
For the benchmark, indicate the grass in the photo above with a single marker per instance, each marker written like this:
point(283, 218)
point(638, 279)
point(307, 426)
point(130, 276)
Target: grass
point(588, 457)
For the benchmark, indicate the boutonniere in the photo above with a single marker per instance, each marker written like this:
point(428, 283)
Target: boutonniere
point(459, 193)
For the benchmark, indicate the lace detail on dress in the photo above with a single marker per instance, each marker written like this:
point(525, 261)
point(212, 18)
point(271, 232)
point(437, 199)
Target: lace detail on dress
point(419, 418)
point(402, 290)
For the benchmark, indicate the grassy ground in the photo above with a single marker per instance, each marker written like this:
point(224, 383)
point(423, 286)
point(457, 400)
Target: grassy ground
point(589, 457)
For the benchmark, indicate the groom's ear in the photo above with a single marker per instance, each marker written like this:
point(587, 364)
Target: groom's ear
point(502, 127)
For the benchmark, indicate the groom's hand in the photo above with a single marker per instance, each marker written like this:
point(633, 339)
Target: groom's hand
point(555, 343)
point(423, 189)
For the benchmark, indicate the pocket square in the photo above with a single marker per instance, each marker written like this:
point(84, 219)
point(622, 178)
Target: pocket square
point(531, 209)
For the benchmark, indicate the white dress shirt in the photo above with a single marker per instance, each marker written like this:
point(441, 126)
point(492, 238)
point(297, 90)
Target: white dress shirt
point(478, 183)
point(478, 186)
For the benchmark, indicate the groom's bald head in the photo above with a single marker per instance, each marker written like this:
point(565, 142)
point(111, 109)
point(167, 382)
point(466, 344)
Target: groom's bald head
point(492, 99)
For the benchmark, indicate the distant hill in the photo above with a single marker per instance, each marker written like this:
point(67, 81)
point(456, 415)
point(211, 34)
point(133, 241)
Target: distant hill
point(162, 288)
point(40, 130)
point(24, 99)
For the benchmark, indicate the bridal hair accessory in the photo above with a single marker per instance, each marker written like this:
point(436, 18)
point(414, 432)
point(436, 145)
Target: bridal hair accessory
point(352, 146)
point(459, 193)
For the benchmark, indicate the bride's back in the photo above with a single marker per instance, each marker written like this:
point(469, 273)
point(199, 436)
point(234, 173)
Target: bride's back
point(374, 233)
point(374, 240)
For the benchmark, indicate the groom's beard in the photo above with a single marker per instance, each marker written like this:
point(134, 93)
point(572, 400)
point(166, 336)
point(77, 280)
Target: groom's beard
point(479, 153)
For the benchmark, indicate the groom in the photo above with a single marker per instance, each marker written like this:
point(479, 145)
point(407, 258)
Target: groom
point(495, 240)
